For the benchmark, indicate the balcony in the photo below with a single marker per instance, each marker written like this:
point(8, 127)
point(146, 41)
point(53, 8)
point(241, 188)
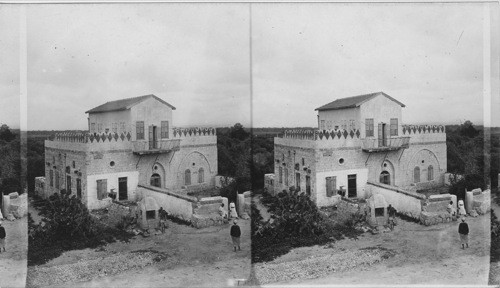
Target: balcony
point(387, 144)
point(145, 147)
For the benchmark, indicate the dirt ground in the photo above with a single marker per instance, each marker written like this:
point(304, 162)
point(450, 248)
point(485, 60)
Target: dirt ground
point(424, 255)
point(13, 262)
point(196, 257)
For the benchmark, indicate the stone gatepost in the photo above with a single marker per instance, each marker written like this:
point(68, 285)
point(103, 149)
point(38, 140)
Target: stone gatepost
point(469, 199)
point(226, 204)
point(240, 204)
point(5, 205)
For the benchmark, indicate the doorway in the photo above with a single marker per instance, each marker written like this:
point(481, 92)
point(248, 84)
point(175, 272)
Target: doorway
point(152, 137)
point(351, 186)
point(79, 188)
point(308, 185)
point(122, 188)
point(382, 135)
point(297, 181)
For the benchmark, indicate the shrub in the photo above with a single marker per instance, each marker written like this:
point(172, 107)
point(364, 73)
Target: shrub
point(66, 225)
point(296, 221)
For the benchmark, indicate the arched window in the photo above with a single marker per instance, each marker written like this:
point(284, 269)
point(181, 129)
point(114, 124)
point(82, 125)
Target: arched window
point(416, 175)
point(187, 177)
point(385, 178)
point(430, 173)
point(155, 180)
point(201, 175)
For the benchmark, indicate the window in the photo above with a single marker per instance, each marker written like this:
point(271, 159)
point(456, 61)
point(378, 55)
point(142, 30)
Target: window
point(139, 129)
point(150, 214)
point(322, 125)
point(379, 212)
point(114, 127)
point(51, 173)
point(331, 185)
point(394, 126)
point(155, 180)
point(385, 178)
point(201, 175)
point(187, 177)
point(68, 184)
point(286, 176)
point(280, 175)
point(92, 127)
point(430, 173)
point(297, 166)
point(102, 189)
point(416, 175)
point(164, 129)
point(369, 128)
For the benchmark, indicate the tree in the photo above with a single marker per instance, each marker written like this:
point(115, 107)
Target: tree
point(5, 133)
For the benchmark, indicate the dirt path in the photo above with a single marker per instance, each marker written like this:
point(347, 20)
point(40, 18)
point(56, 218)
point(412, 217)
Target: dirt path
point(13, 262)
point(425, 255)
point(195, 257)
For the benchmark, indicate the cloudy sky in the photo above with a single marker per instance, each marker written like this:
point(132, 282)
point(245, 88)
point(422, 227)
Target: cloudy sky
point(197, 58)
point(9, 65)
point(194, 56)
point(428, 56)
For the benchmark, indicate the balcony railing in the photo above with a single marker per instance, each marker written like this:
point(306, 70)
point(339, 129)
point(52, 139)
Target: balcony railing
point(159, 146)
point(393, 143)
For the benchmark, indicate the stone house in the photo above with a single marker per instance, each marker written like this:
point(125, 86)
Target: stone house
point(130, 143)
point(359, 140)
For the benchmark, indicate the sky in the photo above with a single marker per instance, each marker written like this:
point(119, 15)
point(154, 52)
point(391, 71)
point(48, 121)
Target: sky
point(197, 58)
point(9, 66)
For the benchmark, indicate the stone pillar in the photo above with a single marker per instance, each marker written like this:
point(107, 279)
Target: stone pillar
point(226, 204)
point(6, 205)
point(469, 199)
point(240, 204)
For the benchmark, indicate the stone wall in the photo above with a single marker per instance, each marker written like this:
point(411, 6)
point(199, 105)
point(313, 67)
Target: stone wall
point(180, 206)
point(477, 201)
point(405, 202)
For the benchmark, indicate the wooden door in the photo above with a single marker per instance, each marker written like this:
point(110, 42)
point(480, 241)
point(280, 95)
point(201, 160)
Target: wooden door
point(122, 188)
point(351, 186)
point(152, 137)
point(79, 188)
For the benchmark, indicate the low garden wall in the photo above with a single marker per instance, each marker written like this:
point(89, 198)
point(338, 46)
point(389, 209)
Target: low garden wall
point(406, 202)
point(180, 206)
point(200, 213)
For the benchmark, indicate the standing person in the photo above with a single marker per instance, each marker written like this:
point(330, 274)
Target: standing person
point(163, 219)
point(461, 208)
point(235, 235)
point(392, 216)
point(2, 237)
point(232, 207)
point(463, 230)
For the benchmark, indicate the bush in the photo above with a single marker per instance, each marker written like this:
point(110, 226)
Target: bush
point(66, 225)
point(296, 221)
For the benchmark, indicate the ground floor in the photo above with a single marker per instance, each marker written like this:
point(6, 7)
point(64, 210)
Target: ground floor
point(13, 262)
point(182, 257)
point(419, 255)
